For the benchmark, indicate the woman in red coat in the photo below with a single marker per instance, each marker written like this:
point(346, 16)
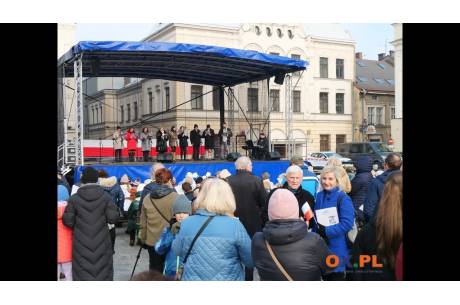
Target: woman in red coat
point(131, 139)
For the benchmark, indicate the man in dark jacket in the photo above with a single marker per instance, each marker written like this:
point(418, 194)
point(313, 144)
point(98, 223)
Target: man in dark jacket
point(195, 139)
point(250, 197)
point(208, 135)
point(371, 203)
point(301, 253)
point(88, 212)
point(360, 184)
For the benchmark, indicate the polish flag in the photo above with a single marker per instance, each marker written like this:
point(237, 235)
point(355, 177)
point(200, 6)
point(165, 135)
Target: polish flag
point(307, 212)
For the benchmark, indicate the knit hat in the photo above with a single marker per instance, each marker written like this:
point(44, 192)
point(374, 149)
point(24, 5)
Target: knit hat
point(182, 205)
point(62, 192)
point(89, 175)
point(283, 205)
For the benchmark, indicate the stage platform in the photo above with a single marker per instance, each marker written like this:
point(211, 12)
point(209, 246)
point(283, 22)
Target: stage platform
point(141, 170)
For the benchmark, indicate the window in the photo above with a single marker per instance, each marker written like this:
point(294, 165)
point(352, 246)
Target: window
point(215, 98)
point(362, 79)
point(253, 99)
point(380, 81)
point(290, 34)
point(339, 103)
point(92, 110)
point(361, 64)
point(275, 100)
point(375, 97)
point(279, 32)
point(97, 115)
point(323, 67)
point(339, 68)
point(393, 112)
point(379, 116)
point(340, 138)
point(167, 99)
point(296, 100)
point(129, 113)
point(135, 111)
point(150, 102)
point(257, 30)
point(197, 93)
point(324, 144)
point(382, 66)
point(371, 115)
point(269, 32)
point(100, 110)
point(323, 107)
point(296, 56)
point(391, 81)
point(122, 113)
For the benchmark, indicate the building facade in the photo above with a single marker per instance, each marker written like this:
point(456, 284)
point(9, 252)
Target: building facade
point(396, 123)
point(321, 96)
point(374, 99)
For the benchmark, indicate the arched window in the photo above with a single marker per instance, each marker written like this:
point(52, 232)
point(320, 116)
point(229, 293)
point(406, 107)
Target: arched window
point(257, 30)
point(290, 35)
point(279, 32)
point(269, 32)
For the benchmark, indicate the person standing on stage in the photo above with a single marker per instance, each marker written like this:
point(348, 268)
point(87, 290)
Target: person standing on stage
point(117, 138)
point(208, 135)
point(195, 138)
point(173, 141)
point(183, 142)
point(225, 135)
point(263, 143)
point(162, 138)
point(131, 138)
point(146, 140)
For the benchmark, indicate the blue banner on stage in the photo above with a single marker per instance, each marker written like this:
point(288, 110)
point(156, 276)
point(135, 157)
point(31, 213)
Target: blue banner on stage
point(179, 170)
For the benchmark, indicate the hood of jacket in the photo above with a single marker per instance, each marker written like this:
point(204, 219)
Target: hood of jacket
point(284, 231)
point(108, 182)
point(90, 191)
point(363, 164)
point(160, 191)
point(384, 176)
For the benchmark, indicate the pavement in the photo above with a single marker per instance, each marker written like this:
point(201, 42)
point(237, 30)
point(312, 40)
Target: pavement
point(125, 257)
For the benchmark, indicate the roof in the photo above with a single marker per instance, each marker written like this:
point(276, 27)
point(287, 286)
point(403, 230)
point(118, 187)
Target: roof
point(201, 64)
point(374, 75)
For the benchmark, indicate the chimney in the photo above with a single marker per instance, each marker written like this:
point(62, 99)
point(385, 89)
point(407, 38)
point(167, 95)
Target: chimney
point(359, 55)
point(381, 56)
point(392, 53)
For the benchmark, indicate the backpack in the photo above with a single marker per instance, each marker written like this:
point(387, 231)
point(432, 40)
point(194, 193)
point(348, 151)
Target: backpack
point(351, 235)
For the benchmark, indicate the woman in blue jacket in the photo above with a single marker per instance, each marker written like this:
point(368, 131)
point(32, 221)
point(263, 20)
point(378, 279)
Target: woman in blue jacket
point(223, 247)
point(333, 230)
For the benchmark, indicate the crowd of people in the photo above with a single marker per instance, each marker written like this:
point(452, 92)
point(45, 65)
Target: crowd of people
point(216, 144)
point(239, 227)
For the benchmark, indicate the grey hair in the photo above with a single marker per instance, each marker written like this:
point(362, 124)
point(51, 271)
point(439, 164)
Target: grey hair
point(156, 166)
point(242, 163)
point(293, 169)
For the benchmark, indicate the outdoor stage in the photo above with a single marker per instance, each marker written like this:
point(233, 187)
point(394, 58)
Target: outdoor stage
point(140, 170)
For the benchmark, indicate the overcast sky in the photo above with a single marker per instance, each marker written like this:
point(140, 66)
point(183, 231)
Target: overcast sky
point(370, 37)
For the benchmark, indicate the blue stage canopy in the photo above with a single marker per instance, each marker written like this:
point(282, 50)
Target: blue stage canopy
point(193, 63)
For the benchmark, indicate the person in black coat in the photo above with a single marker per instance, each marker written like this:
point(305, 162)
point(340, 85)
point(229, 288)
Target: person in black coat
point(294, 175)
point(262, 151)
point(183, 142)
point(301, 253)
point(359, 185)
point(250, 195)
point(88, 212)
point(195, 138)
point(208, 135)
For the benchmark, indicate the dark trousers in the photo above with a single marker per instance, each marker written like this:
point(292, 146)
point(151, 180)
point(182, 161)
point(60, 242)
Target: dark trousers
point(146, 154)
point(131, 155)
point(132, 235)
point(248, 274)
point(196, 152)
point(334, 276)
point(117, 155)
point(113, 234)
point(183, 152)
point(156, 261)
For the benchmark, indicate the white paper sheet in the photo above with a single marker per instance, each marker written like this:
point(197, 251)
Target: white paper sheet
point(327, 217)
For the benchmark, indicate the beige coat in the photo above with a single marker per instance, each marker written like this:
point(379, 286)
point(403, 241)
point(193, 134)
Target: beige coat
point(117, 140)
point(151, 222)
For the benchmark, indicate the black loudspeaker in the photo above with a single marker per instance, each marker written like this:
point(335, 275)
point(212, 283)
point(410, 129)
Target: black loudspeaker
point(165, 157)
point(274, 155)
point(233, 156)
point(279, 79)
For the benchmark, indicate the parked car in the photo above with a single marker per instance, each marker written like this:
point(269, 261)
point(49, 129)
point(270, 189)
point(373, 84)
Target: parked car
point(319, 160)
point(378, 151)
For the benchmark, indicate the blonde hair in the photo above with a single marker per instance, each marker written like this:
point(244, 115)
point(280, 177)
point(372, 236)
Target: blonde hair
point(330, 169)
point(334, 162)
point(216, 196)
